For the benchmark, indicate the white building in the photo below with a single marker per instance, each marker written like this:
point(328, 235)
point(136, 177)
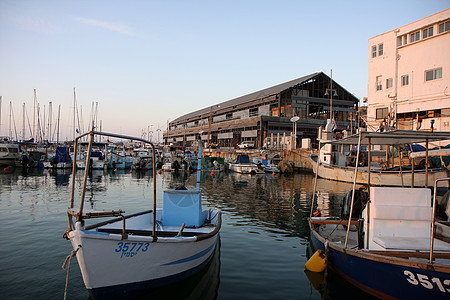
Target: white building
point(409, 76)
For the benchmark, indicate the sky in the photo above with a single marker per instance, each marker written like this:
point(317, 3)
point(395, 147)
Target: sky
point(144, 63)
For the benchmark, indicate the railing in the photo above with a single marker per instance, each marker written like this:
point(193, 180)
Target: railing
point(80, 214)
point(433, 226)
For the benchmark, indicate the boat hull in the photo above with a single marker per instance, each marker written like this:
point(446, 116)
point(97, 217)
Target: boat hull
point(109, 260)
point(245, 169)
point(379, 178)
point(139, 289)
point(385, 277)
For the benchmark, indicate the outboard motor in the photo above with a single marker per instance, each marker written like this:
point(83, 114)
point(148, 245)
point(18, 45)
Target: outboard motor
point(443, 207)
point(361, 199)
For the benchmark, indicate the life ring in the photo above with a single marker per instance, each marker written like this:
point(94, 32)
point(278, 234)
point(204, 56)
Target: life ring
point(338, 136)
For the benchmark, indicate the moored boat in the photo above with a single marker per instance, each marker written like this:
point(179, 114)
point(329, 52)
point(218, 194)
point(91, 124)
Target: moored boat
point(244, 166)
point(147, 249)
point(61, 159)
point(336, 160)
point(389, 241)
point(9, 154)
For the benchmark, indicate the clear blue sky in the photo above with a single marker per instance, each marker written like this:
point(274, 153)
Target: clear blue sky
point(145, 62)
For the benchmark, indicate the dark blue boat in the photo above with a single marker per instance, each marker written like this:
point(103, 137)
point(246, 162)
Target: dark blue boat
point(392, 242)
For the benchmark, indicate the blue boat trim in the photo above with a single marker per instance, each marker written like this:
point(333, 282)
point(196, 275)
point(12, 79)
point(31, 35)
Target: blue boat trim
point(195, 256)
point(95, 232)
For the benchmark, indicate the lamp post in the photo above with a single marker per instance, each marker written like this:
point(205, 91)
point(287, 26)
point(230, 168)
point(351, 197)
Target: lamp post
point(294, 121)
point(158, 131)
point(209, 126)
point(332, 93)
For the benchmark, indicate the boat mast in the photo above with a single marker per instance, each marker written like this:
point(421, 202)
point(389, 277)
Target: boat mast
point(49, 121)
point(10, 117)
point(74, 110)
point(34, 115)
point(0, 114)
point(23, 122)
point(57, 129)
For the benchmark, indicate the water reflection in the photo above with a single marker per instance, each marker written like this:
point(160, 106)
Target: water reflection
point(264, 233)
point(273, 202)
point(62, 176)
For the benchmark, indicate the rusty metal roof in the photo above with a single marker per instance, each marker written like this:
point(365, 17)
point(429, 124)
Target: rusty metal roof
point(250, 97)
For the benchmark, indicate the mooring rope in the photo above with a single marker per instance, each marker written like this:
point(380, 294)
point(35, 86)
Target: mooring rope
point(66, 265)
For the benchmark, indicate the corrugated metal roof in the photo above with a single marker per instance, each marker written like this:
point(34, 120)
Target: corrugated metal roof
point(249, 97)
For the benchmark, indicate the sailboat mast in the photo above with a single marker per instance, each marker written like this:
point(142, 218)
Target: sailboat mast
point(34, 114)
point(0, 114)
point(74, 110)
point(49, 121)
point(57, 129)
point(23, 122)
point(10, 116)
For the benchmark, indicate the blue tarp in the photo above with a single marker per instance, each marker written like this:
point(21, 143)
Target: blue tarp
point(97, 154)
point(62, 155)
point(415, 148)
point(242, 159)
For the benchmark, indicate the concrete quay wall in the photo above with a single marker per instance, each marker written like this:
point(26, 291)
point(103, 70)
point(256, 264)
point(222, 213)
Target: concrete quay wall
point(289, 160)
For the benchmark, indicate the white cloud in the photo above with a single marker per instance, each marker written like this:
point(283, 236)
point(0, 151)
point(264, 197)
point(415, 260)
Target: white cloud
point(106, 25)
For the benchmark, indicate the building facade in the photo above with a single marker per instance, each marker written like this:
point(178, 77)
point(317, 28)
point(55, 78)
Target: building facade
point(265, 117)
point(409, 76)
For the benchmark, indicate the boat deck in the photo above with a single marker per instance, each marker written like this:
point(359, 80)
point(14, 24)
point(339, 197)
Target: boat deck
point(142, 225)
point(336, 233)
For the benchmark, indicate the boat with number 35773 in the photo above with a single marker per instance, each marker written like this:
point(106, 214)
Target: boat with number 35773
point(131, 254)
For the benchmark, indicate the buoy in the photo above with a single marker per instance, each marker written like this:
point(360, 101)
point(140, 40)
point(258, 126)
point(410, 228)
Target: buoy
point(131, 171)
point(212, 174)
point(49, 170)
point(6, 169)
point(159, 172)
point(316, 263)
point(317, 214)
point(273, 174)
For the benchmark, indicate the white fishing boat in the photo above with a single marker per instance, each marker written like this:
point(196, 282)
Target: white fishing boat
point(60, 160)
point(244, 166)
point(336, 160)
point(144, 250)
point(9, 154)
point(97, 161)
point(392, 242)
point(142, 159)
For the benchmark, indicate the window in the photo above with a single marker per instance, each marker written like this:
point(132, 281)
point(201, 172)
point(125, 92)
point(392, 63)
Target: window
point(389, 83)
point(399, 41)
point(382, 113)
point(379, 83)
point(444, 27)
point(427, 32)
point(433, 74)
point(374, 51)
point(414, 37)
point(380, 49)
point(405, 80)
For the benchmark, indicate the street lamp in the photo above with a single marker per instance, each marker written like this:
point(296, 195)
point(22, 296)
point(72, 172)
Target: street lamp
point(332, 93)
point(294, 121)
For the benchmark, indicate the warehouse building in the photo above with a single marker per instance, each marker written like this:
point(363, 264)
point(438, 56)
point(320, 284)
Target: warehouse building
point(265, 117)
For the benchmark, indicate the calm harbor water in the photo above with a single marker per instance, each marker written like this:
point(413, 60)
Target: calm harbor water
point(263, 241)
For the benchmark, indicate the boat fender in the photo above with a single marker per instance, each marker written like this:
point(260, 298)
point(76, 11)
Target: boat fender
point(317, 262)
point(338, 136)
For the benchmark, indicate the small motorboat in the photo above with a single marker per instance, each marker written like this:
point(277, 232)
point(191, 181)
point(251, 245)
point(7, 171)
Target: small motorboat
point(144, 250)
